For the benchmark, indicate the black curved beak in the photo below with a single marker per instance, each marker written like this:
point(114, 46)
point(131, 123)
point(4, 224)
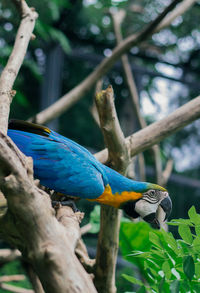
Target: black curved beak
point(166, 205)
point(151, 219)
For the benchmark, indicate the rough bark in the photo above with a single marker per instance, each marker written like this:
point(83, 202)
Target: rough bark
point(30, 224)
point(107, 248)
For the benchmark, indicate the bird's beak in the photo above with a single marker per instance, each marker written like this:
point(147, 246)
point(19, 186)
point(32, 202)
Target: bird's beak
point(166, 205)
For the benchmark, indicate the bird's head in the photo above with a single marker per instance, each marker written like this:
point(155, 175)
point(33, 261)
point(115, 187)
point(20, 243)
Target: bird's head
point(147, 206)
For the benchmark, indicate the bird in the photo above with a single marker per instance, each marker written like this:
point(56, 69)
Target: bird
point(68, 168)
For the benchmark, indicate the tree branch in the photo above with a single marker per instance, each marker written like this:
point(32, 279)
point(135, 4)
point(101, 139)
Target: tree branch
point(157, 131)
point(113, 135)
point(14, 289)
point(8, 255)
point(14, 63)
point(79, 91)
point(12, 278)
point(179, 10)
point(29, 217)
point(107, 248)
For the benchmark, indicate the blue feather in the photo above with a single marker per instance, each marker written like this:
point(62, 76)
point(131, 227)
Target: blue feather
point(65, 166)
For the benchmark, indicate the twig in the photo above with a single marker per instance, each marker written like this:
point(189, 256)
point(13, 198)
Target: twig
point(157, 131)
point(93, 108)
point(14, 289)
point(85, 229)
point(179, 10)
point(12, 278)
point(167, 171)
point(82, 254)
point(107, 248)
point(79, 91)
point(14, 63)
point(8, 255)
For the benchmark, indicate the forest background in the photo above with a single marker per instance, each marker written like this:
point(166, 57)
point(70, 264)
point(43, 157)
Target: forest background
point(72, 38)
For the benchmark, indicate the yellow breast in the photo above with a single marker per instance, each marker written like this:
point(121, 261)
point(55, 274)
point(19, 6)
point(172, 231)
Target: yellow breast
point(116, 199)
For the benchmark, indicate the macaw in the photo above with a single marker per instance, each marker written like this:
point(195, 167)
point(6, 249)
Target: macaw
point(68, 168)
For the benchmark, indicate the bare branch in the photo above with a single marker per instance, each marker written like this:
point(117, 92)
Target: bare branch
point(7, 255)
point(29, 217)
point(14, 289)
point(85, 229)
point(179, 10)
point(82, 254)
point(157, 131)
point(12, 278)
point(14, 63)
point(117, 21)
point(113, 136)
point(107, 248)
point(79, 91)
point(167, 171)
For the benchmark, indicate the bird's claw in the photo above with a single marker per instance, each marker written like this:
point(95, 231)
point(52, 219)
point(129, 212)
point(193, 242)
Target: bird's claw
point(69, 203)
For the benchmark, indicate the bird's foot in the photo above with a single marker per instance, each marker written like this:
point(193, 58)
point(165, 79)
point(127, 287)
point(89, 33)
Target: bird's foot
point(69, 203)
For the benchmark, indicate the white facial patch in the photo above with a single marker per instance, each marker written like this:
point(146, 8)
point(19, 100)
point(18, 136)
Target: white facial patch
point(144, 208)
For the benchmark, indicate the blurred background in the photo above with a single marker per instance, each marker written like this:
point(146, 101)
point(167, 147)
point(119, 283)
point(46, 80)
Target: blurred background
point(72, 38)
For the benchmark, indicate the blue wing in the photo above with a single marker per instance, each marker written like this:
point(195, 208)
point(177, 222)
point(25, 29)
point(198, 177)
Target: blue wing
point(62, 164)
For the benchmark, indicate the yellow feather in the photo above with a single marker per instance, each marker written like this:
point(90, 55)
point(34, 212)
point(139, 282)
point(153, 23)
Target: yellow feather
point(116, 199)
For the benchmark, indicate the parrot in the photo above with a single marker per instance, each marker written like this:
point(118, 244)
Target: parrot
point(68, 168)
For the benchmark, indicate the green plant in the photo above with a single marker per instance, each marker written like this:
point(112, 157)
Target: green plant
point(167, 264)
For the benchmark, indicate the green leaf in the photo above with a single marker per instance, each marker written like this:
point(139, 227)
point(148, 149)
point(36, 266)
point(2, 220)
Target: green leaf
point(171, 242)
point(141, 290)
point(132, 279)
point(166, 269)
point(22, 100)
point(196, 244)
point(197, 270)
point(160, 287)
point(61, 38)
point(197, 230)
point(155, 239)
point(177, 222)
point(185, 233)
point(184, 286)
point(42, 30)
point(140, 254)
point(54, 9)
point(174, 286)
point(188, 267)
point(194, 217)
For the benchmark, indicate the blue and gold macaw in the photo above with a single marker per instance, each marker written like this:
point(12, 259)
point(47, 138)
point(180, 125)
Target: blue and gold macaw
point(68, 168)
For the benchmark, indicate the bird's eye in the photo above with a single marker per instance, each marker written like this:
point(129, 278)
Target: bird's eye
point(152, 193)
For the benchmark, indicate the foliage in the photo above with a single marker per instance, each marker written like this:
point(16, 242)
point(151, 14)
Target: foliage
point(168, 265)
point(15, 268)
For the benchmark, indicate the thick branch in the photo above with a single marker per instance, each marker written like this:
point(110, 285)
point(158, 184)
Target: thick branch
point(29, 217)
point(157, 131)
point(113, 135)
point(14, 63)
point(79, 91)
point(107, 248)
